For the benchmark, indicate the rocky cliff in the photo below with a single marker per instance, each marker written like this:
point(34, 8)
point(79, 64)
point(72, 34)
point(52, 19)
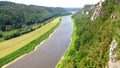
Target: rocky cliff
point(97, 10)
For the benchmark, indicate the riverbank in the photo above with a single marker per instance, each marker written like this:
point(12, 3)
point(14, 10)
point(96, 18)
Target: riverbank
point(48, 54)
point(27, 48)
point(31, 51)
point(65, 56)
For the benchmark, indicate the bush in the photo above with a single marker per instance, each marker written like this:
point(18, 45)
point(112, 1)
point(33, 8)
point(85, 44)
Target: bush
point(1, 35)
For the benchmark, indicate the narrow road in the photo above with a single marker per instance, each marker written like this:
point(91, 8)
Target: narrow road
point(48, 54)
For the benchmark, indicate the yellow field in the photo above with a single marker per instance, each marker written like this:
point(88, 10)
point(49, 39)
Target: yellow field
point(12, 45)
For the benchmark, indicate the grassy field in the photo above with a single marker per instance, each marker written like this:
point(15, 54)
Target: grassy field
point(9, 46)
point(27, 48)
point(6, 35)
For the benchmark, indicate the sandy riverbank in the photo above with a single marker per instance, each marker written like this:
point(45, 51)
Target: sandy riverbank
point(29, 52)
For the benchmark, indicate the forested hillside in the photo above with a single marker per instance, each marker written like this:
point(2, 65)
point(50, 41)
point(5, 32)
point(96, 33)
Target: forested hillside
point(73, 9)
point(16, 16)
point(91, 39)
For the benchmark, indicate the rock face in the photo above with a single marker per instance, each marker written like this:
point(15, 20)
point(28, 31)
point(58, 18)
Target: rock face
point(8, 27)
point(97, 11)
point(112, 48)
point(113, 16)
point(113, 63)
point(117, 1)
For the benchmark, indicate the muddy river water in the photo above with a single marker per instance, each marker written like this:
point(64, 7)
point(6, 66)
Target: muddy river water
point(49, 53)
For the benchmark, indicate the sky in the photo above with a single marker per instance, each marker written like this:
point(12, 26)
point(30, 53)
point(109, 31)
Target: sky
point(56, 3)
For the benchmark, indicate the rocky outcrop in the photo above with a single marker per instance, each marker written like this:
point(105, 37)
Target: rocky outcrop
point(113, 16)
point(117, 1)
point(113, 63)
point(8, 27)
point(97, 11)
point(112, 48)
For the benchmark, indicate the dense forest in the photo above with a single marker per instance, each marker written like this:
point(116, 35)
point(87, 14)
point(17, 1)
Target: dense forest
point(91, 39)
point(17, 19)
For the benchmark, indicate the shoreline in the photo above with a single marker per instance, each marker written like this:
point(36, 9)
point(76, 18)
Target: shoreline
point(71, 39)
point(61, 59)
point(30, 51)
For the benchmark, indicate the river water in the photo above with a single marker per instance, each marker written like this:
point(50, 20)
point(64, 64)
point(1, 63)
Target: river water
point(48, 54)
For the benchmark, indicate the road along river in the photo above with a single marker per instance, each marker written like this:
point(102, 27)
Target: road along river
point(49, 53)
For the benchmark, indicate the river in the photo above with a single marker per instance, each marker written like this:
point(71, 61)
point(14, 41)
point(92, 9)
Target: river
point(49, 53)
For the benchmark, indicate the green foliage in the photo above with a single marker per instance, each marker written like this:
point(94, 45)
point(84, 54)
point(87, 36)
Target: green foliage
point(90, 49)
point(29, 47)
point(17, 15)
point(1, 35)
point(87, 7)
point(18, 19)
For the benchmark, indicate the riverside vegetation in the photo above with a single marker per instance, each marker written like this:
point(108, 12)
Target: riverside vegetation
point(25, 43)
point(22, 27)
point(18, 19)
point(91, 39)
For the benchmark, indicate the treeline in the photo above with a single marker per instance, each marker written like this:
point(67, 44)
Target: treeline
point(17, 16)
point(93, 38)
point(14, 16)
point(17, 32)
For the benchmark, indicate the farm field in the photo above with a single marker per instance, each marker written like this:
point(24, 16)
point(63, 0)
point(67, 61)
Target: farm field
point(9, 46)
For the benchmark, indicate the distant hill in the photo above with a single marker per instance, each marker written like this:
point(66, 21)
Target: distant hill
point(14, 16)
point(73, 9)
point(87, 7)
